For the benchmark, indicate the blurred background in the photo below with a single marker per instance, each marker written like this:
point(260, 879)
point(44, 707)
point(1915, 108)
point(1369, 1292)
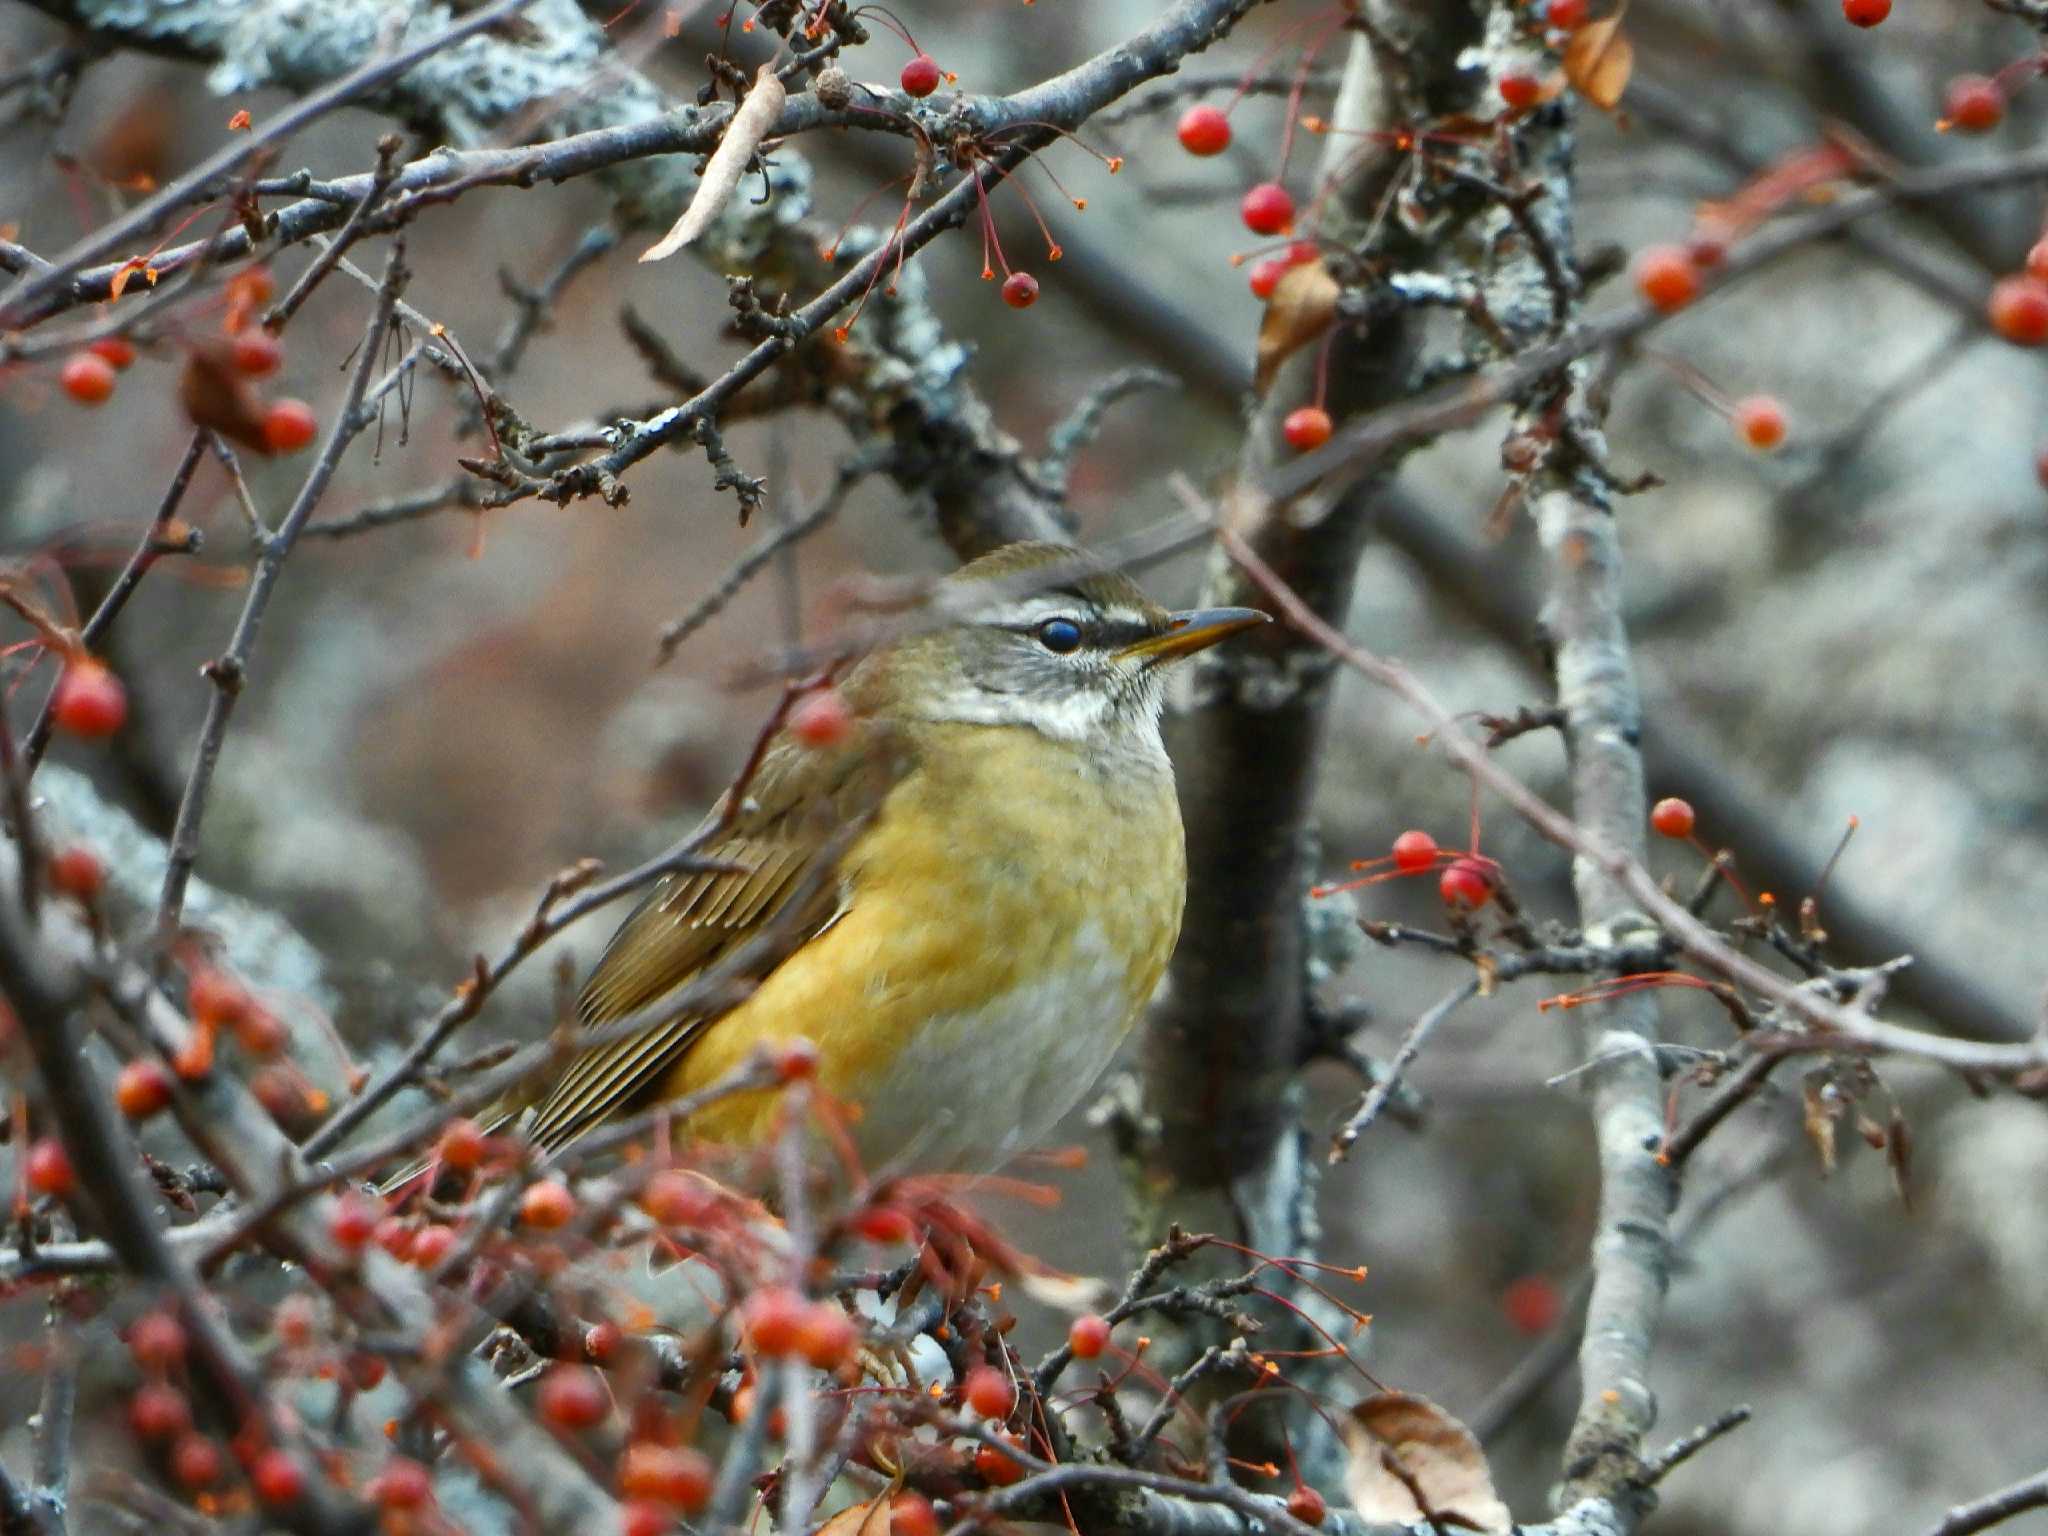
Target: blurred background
point(445, 712)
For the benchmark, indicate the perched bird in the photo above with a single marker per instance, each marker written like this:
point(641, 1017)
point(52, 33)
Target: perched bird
point(995, 925)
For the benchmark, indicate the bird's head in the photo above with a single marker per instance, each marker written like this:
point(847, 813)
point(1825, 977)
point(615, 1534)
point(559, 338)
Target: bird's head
point(1036, 635)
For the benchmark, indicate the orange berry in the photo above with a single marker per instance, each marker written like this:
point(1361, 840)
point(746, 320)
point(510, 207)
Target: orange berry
point(1672, 817)
point(214, 998)
point(87, 378)
point(1761, 421)
point(1520, 90)
point(821, 718)
point(277, 1478)
point(1307, 1506)
point(1020, 290)
point(773, 1319)
point(463, 1145)
point(90, 700)
point(674, 1475)
point(920, 76)
point(256, 353)
point(572, 1397)
point(1307, 427)
point(674, 1198)
point(1267, 209)
point(1866, 13)
point(48, 1168)
point(1566, 15)
point(988, 1392)
point(827, 1336)
point(1532, 1304)
point(1414, 851)
point(289, 425)
point(142, 1089)
point(353, 1220)
point(2019, 310)
point(995, 1468)
point(1089, 1336)
point(157, 1341)
point(115, 351)
point(547, 1205)
point(196, 1461)
point(911, 1514)
point(1667, 276)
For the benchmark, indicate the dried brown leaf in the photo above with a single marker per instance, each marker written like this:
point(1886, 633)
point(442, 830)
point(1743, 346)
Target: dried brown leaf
point(1302, 307)
point(1598, 61)
point(1410, 1460)
point(728, 163)
point(1898, 1153)
point(216, 395)
point(869, 1519)
point(1823, 1109)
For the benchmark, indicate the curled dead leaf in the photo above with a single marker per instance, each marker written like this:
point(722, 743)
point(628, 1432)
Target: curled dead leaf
point(728, 163)
point(1302, 307)
point(1598, 61)
point(869, 1519)
point(1407, 1459)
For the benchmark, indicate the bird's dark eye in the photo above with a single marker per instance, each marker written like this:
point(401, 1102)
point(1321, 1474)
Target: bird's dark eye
point(1060, 635)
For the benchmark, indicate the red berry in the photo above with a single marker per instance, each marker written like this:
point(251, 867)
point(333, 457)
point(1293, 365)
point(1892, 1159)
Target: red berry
point(433, 1245)
point(988, 1393)
point(403, 1484)
point(1566, 15)
point(821, 718)
point(773, 1319)
point(643, 1518)
point(1020, 290)
point(1414, 851)
point(1307, 1506)
point(196, 1461)
point(1672, 818)
point(87, 378)
point(1465, 883)
point(1267, 209)
point(288, 426)
point(1520, 90)
point(214, 998)
point(463, 1145)
point(395, 1235)
point(256, 353)
point(675, 1198)
point(194, 1059)
point(353, 1220)
point(573, 1397)
point(1761, 421)
point(366, 1370)
point(48, 1168)
point(277, 1478)
point(1667, 277)
point(1089, 1336)
point(1974, 104)
point(673, 1475)
point(260, 1031)
point(157, 1341)
point(2019, 310)
point(1866, 13)
point(1204, 130)
point(2037, 260)
point(90, 700)
point(827, 1336)
point(1266, 275)
point(547, 1205)
point(157, 1412)
point(1307, 427)
point(995, 1468)
point(1532, 1304)
point(602, 1341)
point(115, 351)
point(920, 76)
point(77, 872)
point(142, 1089)
point(911, 1514)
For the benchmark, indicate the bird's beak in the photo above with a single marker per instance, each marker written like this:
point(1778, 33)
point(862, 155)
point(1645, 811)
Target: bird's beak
point(1195, 630)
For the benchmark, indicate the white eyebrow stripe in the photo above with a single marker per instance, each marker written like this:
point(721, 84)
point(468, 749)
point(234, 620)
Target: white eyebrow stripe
point(1024, 613)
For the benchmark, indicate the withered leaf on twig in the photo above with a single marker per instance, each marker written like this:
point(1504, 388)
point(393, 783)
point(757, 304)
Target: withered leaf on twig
point(1303, 306)
point(1598, 61)
point(1823, 1104)
point(728, 163)
point(1409, 1460)
point(215, 395)
point(869, 1519)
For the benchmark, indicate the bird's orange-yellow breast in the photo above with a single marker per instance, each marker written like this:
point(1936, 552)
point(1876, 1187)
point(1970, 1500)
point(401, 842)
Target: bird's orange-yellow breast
point(1005, 920)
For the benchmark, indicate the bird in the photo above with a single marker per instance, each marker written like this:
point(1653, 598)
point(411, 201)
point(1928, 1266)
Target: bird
point(1010, 874)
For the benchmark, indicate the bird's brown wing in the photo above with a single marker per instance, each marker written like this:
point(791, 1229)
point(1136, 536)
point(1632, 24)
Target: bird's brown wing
point(797, 802)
